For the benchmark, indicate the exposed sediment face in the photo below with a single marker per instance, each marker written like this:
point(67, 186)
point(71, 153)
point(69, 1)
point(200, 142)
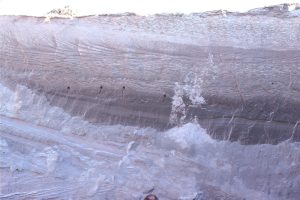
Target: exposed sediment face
point(48, 153)
point(126, 69)
point(117, 106)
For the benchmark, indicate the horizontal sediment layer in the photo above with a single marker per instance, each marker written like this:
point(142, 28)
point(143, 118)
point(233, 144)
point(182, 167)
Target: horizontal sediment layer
point(238, 76)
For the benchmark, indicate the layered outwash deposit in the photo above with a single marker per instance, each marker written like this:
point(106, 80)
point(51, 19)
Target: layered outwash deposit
point(236, 73)
point(198, 106)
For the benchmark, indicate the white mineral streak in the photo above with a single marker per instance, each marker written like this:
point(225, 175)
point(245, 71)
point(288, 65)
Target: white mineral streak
point(178, 112)
point(191, 89)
